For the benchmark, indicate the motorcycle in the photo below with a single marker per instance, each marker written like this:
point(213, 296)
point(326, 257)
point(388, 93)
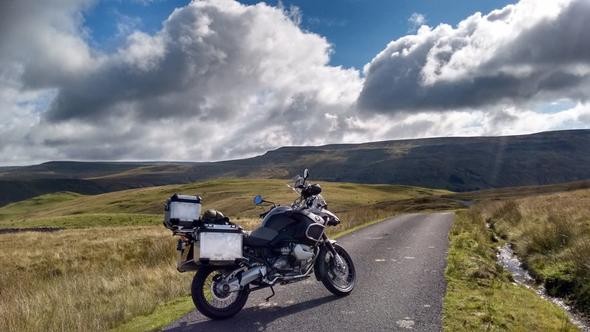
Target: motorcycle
point(289, 246)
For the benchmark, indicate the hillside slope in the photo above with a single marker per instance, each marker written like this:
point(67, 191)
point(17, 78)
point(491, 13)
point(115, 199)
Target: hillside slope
point(453, 163)
point(144, 206)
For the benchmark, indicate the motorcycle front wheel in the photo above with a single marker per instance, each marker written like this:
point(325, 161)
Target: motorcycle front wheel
point(338, 274)
point(211, 300)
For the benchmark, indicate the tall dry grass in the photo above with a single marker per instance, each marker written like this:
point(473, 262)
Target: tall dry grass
point(85, 280)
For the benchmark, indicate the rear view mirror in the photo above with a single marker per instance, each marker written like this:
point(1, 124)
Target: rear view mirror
point(306, 174)
point(258, 200)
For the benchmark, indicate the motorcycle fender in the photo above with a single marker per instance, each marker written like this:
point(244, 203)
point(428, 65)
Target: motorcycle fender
point(318, 270)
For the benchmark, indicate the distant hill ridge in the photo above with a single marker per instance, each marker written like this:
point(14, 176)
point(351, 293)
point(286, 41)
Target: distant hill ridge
point(454, 163)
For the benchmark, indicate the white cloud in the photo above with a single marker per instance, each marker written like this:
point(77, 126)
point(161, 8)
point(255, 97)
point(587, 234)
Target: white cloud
point(415, 21)
point(225, 80)
point(530, 51)
point(46, 41)
point(20, 112)
point(215, 82)
point(489, 122)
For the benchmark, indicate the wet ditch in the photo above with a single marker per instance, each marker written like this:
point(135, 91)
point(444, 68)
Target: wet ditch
point(511, 263)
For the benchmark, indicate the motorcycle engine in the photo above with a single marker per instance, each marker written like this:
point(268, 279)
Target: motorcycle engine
point(282, 264)
point(293, 257)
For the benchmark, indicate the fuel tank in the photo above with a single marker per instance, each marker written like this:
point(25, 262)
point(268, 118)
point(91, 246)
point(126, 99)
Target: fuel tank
point(284, 224)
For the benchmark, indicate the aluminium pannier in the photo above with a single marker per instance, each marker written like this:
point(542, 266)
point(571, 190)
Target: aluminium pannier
point(219, 244)
point(182, 211)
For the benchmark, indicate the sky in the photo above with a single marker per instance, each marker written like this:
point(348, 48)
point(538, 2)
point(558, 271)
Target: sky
point(221, 79)
point(357, 30)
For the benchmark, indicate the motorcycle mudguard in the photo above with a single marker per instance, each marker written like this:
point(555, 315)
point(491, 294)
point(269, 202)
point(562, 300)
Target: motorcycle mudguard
point(316, 265)
point(318, 270)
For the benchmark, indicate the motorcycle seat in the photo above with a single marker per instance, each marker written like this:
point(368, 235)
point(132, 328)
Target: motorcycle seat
point(252, 241)
point(260, 237)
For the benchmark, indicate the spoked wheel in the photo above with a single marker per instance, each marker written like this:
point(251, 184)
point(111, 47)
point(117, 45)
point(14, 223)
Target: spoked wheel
point(338, 274)
point(211, 299)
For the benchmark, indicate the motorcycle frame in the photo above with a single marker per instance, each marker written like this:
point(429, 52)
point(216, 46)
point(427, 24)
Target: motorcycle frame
point(187, 263)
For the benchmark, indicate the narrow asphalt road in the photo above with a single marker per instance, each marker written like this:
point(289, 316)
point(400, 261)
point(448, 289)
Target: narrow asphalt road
point(400, 286)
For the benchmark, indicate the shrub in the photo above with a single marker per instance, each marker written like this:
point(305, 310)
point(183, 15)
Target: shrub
point(508, 212)
point(552, 236)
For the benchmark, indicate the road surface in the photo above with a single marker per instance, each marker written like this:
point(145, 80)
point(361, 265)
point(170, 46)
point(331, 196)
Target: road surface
point(400, 286)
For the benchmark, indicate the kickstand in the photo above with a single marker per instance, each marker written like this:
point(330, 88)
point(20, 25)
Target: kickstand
point(271, 295)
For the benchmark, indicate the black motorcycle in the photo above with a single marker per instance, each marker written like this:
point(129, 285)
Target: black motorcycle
point(290, 245)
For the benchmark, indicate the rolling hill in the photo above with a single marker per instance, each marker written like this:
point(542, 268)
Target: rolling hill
point(453, 163)
point(144, 206)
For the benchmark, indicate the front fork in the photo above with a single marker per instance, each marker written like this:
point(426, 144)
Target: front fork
point(329, 246)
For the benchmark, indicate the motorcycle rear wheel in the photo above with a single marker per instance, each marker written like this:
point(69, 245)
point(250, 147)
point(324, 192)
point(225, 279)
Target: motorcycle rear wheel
point(212, 302)
point(339, 279)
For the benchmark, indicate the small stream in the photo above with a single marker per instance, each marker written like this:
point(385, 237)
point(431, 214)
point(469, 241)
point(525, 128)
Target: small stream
point(509, 261)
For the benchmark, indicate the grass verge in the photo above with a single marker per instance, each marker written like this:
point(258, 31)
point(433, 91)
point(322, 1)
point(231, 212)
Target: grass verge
point(162, 316)
point(481, 296)
point(551, 234)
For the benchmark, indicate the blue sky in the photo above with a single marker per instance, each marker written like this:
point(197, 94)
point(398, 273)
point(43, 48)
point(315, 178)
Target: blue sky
point(357, 29)
point(102, 18)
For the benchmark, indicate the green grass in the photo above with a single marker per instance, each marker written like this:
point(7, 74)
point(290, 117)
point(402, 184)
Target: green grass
point(233, 197)
point(511, 193)
point(86, 220)
point(40, 202)
point(480, 295)
point(162, 316)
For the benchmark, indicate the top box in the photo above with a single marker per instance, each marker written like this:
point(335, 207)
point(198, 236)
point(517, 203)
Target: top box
point(182, 210)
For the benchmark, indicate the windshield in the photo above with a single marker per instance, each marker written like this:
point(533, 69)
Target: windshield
point(297, 183)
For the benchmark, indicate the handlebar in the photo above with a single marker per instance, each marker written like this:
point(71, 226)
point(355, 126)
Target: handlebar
point(263, 214)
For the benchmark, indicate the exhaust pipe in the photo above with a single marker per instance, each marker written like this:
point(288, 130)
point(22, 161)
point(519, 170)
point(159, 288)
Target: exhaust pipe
point(252, 274)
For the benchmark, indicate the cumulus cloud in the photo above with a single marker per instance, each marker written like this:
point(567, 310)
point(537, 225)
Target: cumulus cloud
point(211, 60)
point(224, 80)
point(525, 52)
point(40, 46)
point(45, 42)
point(214, 82)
